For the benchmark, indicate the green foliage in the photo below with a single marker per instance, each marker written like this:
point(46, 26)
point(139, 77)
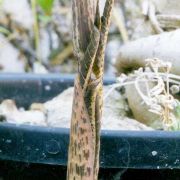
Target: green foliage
point(46, 6)
point(44, 18)
point(4, 30)
point(176, 125)
point(177, 111)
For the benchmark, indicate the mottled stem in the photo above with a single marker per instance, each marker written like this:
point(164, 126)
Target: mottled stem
point(90, 36)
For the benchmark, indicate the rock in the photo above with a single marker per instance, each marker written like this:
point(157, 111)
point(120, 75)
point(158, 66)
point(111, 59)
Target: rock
point(136, 23)
point(57, 112)
point(38, 107)
point(114, 113)
point(139, 109)
point(39, 68)
point(9, 57)
point(9, 110)
point(162, 46)
point(167, 6)
point(112, 50)
point(20, 12)
point(59, 109)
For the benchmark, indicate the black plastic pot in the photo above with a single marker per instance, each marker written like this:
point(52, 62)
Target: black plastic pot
point(21, 145)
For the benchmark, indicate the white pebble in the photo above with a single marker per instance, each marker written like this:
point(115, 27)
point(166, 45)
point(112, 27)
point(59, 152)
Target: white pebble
point(154, 153)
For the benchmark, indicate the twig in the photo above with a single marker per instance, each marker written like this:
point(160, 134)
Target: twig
point(119, 21)
point(63, 55)
point(153, 19)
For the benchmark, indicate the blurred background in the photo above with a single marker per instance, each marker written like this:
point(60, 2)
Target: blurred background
point(36, 35)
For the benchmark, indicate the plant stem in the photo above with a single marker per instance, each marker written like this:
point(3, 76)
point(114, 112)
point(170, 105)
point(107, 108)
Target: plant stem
point(35, 28)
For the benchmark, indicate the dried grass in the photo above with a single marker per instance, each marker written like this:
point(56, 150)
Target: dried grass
point(159, 98)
